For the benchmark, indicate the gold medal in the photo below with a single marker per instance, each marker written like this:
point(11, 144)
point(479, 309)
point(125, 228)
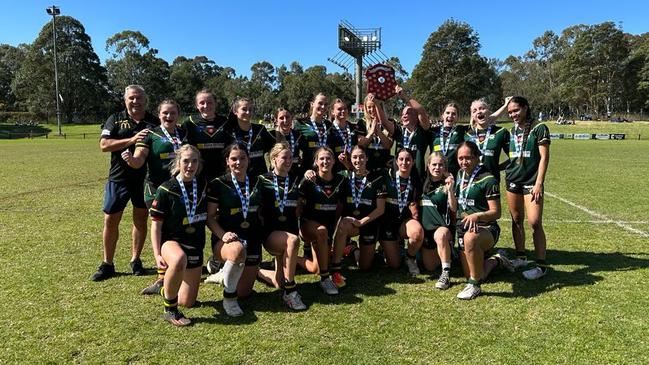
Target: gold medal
point(190, 229)
point(357, 213)
point(282, 218)
point(245, 224)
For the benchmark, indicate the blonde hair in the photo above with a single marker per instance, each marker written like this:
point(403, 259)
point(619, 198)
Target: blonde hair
point(318, 152)
point(312, 107)
point(276, 150)
point(477, 101)
point(337, 101)
point(174, 168)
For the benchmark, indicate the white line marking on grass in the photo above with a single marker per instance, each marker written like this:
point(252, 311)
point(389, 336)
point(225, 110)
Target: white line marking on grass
point(592, 221)
point(599, 216)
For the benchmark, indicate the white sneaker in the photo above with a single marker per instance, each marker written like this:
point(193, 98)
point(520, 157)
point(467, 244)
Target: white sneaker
point(328, 286)
point(518, 263)
point(213, 265)
point(444, 281)
point(216, 278)
point(231, 307)
point(412, 266)
point(469, 292)
point(534, 273)
point(294, 301)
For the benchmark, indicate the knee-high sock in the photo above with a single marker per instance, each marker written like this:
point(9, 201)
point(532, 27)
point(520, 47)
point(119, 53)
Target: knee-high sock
point(231, 274)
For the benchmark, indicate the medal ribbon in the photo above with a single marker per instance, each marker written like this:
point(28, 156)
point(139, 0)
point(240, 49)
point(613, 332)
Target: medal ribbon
point(444, 142)
point(465, 193)
point(402, 198)
point(482, 146)
point(282, 202)
point(249, 144)
point(245, 199)
point(175, 143)
point(357, 198)
point(407, 137)
point(346, 136)
point(191, 210)
point(322, 137)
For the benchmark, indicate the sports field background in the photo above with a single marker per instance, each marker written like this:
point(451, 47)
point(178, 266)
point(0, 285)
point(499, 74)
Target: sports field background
point(591, 308)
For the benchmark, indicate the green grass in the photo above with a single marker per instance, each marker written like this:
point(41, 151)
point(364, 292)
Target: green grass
point(589, 309)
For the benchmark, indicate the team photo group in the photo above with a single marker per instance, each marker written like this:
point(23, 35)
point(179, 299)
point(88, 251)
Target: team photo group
point(379, 192)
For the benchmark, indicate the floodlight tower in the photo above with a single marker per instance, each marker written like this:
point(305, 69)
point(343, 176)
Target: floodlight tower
point(357, 43)
point(54, 11)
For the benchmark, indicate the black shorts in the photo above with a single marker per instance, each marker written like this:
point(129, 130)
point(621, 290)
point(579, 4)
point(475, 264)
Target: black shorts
point(389, 230)
point(494, 229)
point(519, 189)
point(194, 254)
point(252, 243)
point(117, 195)
point(429, 239)
point(368, 234)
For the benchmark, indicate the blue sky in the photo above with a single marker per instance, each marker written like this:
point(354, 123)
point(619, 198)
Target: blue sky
point(240, 33)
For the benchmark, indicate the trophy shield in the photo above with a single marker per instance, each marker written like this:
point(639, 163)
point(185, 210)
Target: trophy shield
point(381, 81)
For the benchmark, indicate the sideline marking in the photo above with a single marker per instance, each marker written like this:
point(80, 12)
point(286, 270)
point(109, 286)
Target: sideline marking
point(575, 221)
point(599, 216)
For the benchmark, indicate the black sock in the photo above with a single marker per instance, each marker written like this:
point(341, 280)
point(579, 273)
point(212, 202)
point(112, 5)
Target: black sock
point(324, 274)
point(171, 305)
point(410, 256)
point(289, 286)
point(541, 264)
point(335, 267)
point(521, 255)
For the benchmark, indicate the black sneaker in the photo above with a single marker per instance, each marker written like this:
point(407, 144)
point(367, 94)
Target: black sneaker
point(105, 271)
point(213, 266)
point(136, 266)
point(153, 289)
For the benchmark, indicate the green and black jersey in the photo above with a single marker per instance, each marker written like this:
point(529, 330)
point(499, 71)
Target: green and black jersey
point(122, 126)
point(222, 192)
point(378, 157)
point(484, 187)
point(446, 140)
point(374, 188)
point(394, 190)
point(169, 207)
point(492, 141)
point(524, 165)
point(258, 143)
point(322, 198)
point(434, 206)
point(312, 139)
point(297, 143)
point(161, 153)
point(417, 141)
point(270, 200)
point(341, 137)
point(210, 138)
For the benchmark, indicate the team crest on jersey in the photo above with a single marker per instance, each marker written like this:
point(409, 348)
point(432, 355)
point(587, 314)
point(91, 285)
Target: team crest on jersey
point(210, 130)
point(154, 204)
point(124, 124)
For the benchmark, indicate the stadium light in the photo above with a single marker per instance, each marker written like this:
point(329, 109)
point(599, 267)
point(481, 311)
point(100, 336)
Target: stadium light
point(54, 11)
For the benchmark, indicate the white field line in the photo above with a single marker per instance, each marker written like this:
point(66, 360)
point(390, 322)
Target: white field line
point(601, 217)
point(577, 221)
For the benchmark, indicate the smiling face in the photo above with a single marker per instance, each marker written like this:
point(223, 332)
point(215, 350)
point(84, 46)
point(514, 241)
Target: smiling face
point(319, 107)
point(449, 116)
point(359, 160)
point(437, 167)
point(408, 116)
point(237, 162)
point(339, 111)
point(188, 164)
point(168, 115)
point(206, 105)
point(404, 163)
point(370, 110)
point(479, 112)
point(324, 161)
point(284, 121)
point(283, 161)
point(243, 111)
point(135, 102)
point(516, 112)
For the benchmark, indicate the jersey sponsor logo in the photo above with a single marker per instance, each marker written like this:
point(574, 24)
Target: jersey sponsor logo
point(105, 132)
point(256, 154)
point(391, 201)
point(326, 207)
point(289, 203)
point(515, 154)
point(197, 218)
point(124, 124)
point(210, 146)
point(488, 152)
point(167, 156)
point(437, 148)
point(467, 202)
point(362, 201)
point(428, 203)
point(313, 144)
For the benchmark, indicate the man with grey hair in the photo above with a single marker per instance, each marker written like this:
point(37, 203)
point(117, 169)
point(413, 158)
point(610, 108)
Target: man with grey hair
point(120, 133)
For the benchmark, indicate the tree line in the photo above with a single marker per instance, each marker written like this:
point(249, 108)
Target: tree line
point(596, 69)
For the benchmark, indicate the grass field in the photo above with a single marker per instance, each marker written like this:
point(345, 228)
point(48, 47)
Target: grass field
point(590, 309)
